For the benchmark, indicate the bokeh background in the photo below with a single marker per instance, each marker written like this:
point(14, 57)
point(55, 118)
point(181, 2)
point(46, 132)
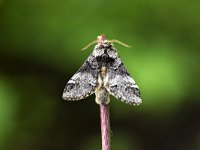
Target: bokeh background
point(40, 42)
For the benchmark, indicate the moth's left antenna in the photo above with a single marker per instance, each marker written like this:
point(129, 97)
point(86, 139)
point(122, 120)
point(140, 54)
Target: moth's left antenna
point(93, 42)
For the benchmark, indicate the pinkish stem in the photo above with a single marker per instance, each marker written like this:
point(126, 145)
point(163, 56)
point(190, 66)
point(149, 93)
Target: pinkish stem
point(105, 126)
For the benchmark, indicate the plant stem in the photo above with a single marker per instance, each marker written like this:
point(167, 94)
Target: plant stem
point(105, 126)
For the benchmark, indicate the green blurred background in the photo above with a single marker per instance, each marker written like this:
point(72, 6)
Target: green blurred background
point(40, 42)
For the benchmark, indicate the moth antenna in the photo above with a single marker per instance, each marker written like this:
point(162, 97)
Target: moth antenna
point(119, 42)
point(91, 43)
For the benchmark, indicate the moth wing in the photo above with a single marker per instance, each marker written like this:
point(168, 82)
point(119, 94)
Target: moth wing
point(121, 85)
point(84, 81)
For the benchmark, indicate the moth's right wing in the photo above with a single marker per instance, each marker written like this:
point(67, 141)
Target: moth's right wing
point(121, 85)
point(84, 81)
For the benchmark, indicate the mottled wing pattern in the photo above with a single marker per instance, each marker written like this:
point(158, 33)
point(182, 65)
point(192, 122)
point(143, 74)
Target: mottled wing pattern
point(121, 85)
point(84, 81)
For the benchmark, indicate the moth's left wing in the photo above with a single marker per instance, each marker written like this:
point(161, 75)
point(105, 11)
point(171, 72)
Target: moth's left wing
point(84, 81)
point(121, 85)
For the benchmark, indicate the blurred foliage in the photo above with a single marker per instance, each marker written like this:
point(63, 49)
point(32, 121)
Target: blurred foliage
point(40, 44)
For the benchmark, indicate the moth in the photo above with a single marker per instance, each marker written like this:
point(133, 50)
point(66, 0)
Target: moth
point(103, 73)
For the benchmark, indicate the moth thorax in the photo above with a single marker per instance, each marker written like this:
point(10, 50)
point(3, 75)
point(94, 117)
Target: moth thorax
point(103, 71)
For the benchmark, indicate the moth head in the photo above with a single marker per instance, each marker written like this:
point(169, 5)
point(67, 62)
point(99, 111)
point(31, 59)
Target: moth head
point(102, 40)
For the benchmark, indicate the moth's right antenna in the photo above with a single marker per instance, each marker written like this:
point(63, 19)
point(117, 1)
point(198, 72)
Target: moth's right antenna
point(119, 42)
point(91, 43)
